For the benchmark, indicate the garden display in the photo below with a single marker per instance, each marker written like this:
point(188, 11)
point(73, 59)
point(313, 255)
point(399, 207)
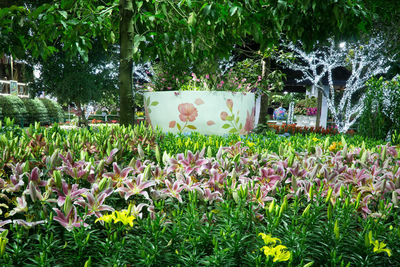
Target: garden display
point(210, 104)
point(133, 196)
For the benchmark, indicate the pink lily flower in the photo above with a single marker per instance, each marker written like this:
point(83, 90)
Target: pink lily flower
point(70, 221)
point(136, 186)
point(118, 175)
point(173, 190)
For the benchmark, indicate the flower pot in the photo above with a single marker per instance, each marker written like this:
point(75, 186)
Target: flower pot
point(308, 121)
point(207, 112)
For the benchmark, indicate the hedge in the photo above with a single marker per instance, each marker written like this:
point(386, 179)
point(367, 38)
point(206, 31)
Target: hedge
point(37, 111)
point(56, 114)
point(27, 111)
point(13, 107)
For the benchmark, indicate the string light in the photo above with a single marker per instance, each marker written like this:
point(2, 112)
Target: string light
point(363, 60)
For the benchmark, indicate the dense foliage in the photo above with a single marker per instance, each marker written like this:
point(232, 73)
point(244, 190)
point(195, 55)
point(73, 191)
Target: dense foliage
point(381, 114)
point(28, 111)
point(117, 195)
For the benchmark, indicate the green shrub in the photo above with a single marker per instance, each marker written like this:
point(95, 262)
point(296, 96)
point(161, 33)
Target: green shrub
point(36, 111)
point(56, 114)
point(13, 107)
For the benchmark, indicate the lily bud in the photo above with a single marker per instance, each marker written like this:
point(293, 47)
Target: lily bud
point(358, 200)
point(67, 205)
point(147, 173)
point(326, 143)
point(291, 159)
point(328, 195)
point(209, 152)
point(395, 198)
point(140, 151)
point(165, 158)
point(336, 230)
point(271, 206)
point(57, 178)
point(3, 243)
point(329, 211)
point(341, 191)
point(306, 210)
point(103, 183)
point(383, 153)
point(88, 263)
point(311, 192)
point(100, 166)
point(158, 155)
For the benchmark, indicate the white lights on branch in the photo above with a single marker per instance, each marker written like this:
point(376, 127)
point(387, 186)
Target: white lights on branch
point(363, 60)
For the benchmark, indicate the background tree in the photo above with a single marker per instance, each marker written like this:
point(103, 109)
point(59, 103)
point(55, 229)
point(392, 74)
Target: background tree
point(171, 29)
point(363, 60)
point(79, 82)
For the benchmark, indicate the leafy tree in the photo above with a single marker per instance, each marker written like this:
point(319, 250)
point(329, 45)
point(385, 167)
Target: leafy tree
point(167, 29)
point(79, 82)
point(363, 60)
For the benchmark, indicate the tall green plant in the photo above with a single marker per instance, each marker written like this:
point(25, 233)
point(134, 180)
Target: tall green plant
point(379, 116)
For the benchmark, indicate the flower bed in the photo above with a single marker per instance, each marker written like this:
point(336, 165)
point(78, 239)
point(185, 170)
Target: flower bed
point(116, 195)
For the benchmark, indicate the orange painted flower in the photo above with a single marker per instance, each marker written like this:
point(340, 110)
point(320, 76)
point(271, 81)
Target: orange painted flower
point(229, 103)
point(209, 123)
point(249, 125)
point(188, 112)
point(172, 124)
point(199, 101)
point(223, 115)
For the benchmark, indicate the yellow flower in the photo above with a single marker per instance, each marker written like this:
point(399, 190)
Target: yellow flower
point(281, 253)
point(380, 247)
point(106, 218)
point(268, 239)
point(250, 144)
point(122, 216)
point(315, 139)
point(332, 147)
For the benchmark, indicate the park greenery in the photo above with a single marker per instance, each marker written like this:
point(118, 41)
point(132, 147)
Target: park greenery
point(151, 198)
point(128, 194)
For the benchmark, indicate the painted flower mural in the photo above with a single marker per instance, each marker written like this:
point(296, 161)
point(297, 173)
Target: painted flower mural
point(250, 120)
point(205, 112)
point(188, 112)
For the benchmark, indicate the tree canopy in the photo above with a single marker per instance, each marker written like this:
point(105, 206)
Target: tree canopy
point(167, 29)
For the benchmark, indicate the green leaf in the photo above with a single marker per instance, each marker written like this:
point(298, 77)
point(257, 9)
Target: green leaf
point(192, 19)
point(229, 118)
point(63, 13)
point(233, 10)
point(191, 127)
point(154, 103)
point(233, 130)
point(179, 127)
point(226, 126)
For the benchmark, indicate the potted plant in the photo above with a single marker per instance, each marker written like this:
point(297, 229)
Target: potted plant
point(209, 104)
point(306, 111)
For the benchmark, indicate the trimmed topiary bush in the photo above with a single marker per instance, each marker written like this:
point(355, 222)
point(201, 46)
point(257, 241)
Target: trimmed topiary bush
point(37, 111)
point(14, 108)
point(56, 113)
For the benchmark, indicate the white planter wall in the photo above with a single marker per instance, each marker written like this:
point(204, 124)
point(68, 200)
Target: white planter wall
point(207, 112)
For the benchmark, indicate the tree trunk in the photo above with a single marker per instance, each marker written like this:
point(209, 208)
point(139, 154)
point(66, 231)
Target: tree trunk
point(264, 97)
point(127, 114)
point(319, 109)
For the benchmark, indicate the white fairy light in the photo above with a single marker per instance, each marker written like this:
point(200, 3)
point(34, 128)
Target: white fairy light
point(364, 61)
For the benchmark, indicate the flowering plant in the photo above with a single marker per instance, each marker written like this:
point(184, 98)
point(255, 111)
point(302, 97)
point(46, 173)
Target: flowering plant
point(312, 111)
point(207, 82)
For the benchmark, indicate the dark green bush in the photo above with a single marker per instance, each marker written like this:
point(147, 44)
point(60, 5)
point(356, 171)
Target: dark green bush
point(36, 111)
point(56, 114)
point(381, 113)
point(13, 107)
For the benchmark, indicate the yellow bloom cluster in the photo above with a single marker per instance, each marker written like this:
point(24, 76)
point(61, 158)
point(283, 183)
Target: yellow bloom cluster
point(335, 146)
point(378, 246)
point(118, 216)
point(278, 252)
